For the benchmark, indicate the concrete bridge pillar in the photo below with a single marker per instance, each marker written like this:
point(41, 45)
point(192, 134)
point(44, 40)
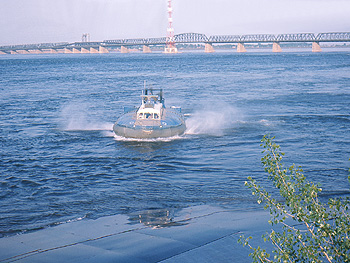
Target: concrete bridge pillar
point(67, 51)
point(241, 48)
point(84, 50)
point(316, 47)
point(276, 47)
point(124, 49)
point(13, 52)
point(170, 49)
point(35, 51)
point(93, 50)
point(2, 53)
point(102, 50)
point(53, 51)
point(22, 52)
point(208, 48)
point(146, 49)
point(76, 51)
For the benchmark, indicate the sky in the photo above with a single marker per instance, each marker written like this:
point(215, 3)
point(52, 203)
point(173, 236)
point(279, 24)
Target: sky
point(46, 21)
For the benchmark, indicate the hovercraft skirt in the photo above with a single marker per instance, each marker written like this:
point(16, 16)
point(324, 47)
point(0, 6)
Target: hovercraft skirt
point(141, 132)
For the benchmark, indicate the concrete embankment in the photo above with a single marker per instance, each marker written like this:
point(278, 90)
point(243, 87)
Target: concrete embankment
point(195, 234)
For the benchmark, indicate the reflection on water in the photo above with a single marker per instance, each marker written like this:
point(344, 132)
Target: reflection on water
point(156, 218)
point(143, 146)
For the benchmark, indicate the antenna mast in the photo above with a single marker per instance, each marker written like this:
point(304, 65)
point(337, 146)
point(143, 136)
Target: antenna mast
point(170, 40)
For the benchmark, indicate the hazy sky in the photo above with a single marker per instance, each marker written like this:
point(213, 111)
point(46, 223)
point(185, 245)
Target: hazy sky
point(38, 21)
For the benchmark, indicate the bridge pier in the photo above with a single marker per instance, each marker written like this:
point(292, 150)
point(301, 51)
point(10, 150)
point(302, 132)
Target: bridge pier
point(276, 47)
point(316, 47)
point(76, 51)
point(241, 48)
point(84, 50)
point(208, 48)
point(146, 49)
point(102, 50)
point(2, 53)
point(67, 51)
point(35, 51)
point(93, 50)
point(22, 51)
point(170, 50)
point(124, 50)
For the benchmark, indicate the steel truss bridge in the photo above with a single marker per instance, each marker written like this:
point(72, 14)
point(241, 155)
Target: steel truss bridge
point(260, 38)
point(185, 38)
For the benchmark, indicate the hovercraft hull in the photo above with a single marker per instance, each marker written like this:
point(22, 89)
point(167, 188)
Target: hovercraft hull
point(148, 132)
point(128, 126)
point(151, 120)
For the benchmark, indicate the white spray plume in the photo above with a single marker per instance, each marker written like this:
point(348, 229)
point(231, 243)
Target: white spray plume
point(75, 117)
point(213, 120)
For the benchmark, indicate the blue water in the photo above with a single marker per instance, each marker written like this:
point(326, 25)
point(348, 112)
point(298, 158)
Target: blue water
point(59, 159)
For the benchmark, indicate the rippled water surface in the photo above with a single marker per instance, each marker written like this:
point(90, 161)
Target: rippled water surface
point(59, 159)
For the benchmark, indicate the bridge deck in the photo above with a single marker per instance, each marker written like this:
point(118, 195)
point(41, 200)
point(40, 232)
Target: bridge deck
point(189, 38)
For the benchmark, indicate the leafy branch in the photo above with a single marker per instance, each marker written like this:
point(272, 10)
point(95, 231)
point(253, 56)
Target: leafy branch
point(320, 232)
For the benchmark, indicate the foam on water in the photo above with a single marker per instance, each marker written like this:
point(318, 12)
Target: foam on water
point(165, 139)
point(267, 123)
point(108, 133)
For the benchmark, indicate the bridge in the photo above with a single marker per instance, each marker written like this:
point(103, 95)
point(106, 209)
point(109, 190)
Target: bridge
point(124, 45)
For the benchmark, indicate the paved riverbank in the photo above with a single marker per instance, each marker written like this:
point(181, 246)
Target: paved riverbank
point(195, 234)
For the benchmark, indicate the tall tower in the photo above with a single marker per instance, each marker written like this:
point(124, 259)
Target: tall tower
point(170, 40)
point(85, 37)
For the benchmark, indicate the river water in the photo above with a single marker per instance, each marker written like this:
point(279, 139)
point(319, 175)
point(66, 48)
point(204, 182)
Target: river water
point(60, 162)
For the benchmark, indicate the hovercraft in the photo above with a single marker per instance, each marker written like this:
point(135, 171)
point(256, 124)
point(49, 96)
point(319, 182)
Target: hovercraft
point(152, 119)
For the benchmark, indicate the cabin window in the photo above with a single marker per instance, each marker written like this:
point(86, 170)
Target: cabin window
point(148, 115)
